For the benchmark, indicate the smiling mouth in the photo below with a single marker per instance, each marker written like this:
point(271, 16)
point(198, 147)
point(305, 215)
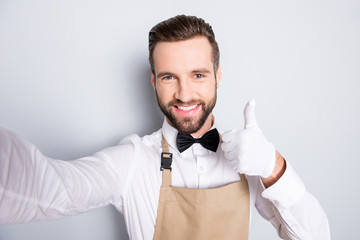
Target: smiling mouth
point(187, 108)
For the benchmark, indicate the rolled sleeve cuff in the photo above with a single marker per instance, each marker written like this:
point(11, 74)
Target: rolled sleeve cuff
point(287, 191)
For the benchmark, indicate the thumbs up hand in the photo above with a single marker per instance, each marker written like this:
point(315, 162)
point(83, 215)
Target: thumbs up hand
point(247, 150)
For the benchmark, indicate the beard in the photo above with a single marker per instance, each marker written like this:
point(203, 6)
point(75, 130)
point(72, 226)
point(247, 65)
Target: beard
point(187, 125)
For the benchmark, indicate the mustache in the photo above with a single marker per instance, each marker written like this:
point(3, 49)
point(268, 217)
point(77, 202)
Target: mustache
point(191, 102)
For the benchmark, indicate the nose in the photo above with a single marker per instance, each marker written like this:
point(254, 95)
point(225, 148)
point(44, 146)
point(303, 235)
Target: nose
point(185, 90)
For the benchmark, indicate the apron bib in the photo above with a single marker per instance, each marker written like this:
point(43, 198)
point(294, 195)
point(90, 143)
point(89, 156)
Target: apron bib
point(201, 214)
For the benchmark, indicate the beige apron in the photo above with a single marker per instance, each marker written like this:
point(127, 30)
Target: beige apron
point(201, 214)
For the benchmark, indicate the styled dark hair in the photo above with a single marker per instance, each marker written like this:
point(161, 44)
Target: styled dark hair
point(179, 28)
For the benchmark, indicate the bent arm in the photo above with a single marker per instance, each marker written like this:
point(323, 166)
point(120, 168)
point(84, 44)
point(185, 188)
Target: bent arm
point(34, 187)
point(292, 210)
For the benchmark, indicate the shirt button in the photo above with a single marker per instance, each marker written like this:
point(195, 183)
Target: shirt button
point(201, 168)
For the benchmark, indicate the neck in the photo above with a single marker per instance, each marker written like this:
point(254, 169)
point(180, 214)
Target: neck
point(205, 128)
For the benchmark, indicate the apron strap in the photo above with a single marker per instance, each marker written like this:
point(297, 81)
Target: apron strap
point(165, 145)
point(166, 178)
point(166, 161)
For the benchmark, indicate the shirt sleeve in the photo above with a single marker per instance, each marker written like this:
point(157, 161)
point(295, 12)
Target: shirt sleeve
point(34, 187)
point(292, 210)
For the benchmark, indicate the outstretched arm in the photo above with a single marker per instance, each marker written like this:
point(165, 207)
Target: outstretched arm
point(34, 187)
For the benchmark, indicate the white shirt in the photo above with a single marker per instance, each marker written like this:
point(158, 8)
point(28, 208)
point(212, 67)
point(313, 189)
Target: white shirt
point(34, 187)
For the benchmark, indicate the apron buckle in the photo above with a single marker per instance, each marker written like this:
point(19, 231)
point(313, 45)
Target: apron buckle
point(166, 160)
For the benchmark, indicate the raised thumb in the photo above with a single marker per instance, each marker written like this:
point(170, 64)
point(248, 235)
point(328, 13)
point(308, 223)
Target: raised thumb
point(249, 115)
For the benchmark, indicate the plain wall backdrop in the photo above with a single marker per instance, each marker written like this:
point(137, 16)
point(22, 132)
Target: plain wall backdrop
point(74, 79)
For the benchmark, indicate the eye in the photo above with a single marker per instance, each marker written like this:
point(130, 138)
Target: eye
point(168, 77)
point(198, 75)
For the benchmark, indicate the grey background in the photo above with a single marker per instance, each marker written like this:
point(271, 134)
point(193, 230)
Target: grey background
point(74, 79)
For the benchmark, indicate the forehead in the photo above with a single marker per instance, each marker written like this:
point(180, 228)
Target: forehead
point(184, 55)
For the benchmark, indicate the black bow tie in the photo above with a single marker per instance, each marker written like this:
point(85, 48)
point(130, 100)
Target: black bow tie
point(209, 140)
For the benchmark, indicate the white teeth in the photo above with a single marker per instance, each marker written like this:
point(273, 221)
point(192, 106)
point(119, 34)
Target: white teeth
point(187, 108)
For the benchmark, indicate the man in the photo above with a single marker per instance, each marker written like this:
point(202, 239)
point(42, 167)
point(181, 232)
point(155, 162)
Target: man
point(181, 182)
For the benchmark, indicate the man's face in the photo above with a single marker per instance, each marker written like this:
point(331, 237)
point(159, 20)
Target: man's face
point(185, 82)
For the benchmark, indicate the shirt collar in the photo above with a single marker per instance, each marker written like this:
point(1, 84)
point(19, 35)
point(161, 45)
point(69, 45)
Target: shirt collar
point(170, 133)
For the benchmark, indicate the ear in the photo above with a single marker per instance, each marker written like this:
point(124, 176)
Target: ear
point(152, 79)
point(218, 76)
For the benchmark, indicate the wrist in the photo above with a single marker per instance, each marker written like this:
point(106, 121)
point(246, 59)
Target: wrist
point(279, 169)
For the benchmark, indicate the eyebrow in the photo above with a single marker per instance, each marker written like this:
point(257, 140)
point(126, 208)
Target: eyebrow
point(199, 70)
